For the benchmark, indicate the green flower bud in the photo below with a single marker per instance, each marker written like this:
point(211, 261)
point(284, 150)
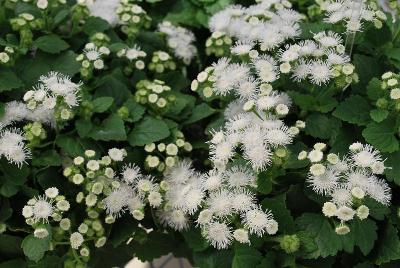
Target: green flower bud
point(290, 243)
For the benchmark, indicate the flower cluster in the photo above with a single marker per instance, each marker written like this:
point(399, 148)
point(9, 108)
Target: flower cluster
point(154, 94)
point(269, 23)
point(164, 155)
point(34, 133)
point(319, 60)
point(161, 61)
point(218, 44)
point(179, 40)
point(92, 59)
point(56, 94)
point(12, 145)
point(6, 57)
point(347, 182)
point(215, 199)
point(390, 95)
point(132, 17)
point(353, 13)
point(135, 57)
point(40, 210)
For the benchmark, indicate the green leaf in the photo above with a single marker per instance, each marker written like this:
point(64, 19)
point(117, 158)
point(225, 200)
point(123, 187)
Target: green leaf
point(354, 109)
point(374, 89)
point(102, 104)
point(364, 233)
point(157, 245)
point(264, 184)
point(51, 44)
point(94, 25)
point(83, 127)
point(13, 264)
point(246, 256)
point(304, 101)
point(281, 214)
point(46, 158)
point(10, 246)
point(393, 172)
point(328, 242)
point(148, 130)
point(382, 135)
point(378, 115)
point(9, 81)
point(322, 126)
point(73, 146)
point(111, 129)
point(213, 259)
point(195, 240)
point(201, 111)
point(35, 248)
point(122, 230)
point(389, 246)
point(136, 111)
point(376, 210)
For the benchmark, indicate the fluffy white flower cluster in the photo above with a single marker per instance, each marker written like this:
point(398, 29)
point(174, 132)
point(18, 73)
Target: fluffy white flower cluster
point(12, 146)
point(215, 199)
point(55, 93)
point(132, 192)
point(105, 9)
point(347, 181)
point(391, 84)
point(134, 55)
point(318, 60)
point(40, 209)
point(268, 23)
point(180, 40)
point(92, 58)
point(353, 13)
point(43, 4)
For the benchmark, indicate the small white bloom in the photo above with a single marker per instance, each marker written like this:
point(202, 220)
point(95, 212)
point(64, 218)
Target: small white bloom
point(329, 209)
point(76, 240)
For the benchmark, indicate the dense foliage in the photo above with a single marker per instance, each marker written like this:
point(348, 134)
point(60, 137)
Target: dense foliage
point(232, 133)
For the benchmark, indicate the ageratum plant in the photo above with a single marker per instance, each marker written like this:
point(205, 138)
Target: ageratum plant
point(230, 133)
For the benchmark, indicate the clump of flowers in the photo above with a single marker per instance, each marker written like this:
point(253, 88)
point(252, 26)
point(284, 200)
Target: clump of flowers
point(135, 57)
point(161, 61)
point(154, 94)
point(7, 56)
point(352, 13)
point(390, 95)
point(12, 145)
point(164, 155)
point(319, 60)
point(92, 59)
point(347, 181)
point(219, 44)
point(34, 133)
point(269, 23)
point(215, 199)
point(55, 93)
point(41, 210)
point(179, 40)
point(132, 18)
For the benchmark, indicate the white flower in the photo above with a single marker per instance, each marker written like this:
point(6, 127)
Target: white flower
point(213, 180)
point(117, 201)
point(366, 156)
point(272, 227)
point(27, 211)
point(362, 212)
point(137, 214)
point(63, 205)
point(317, 169)
point(257, 221)
point(329, 209)
point(41, 233)
point(205, 217)
point(242, 236)
point(341, 197)
point(323, 183)
point(319, 72)
point(42, 4)
point(239, 176)
point(51, 192)
point(131, 173)
point(218, 234)
point(76, 240)
point(155, 199)
point(357, 192)
point(315, 155)
point(342, 229)
point(220, 203)
point(42, 209)
point(93, 165)
point(116, 154)
point(345, 213)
